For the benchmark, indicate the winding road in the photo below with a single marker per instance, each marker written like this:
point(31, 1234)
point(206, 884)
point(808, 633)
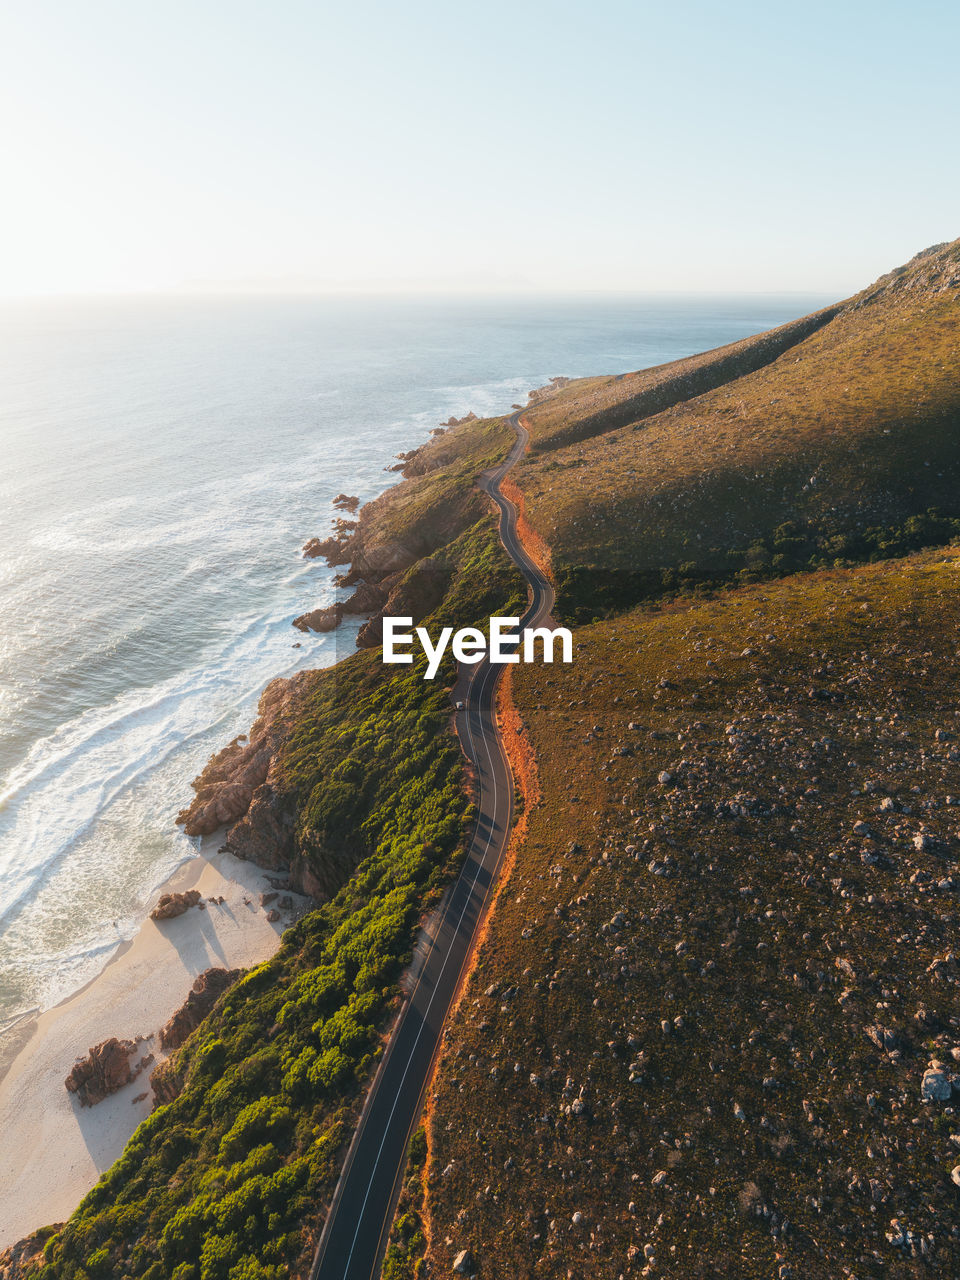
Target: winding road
point(355, 1235)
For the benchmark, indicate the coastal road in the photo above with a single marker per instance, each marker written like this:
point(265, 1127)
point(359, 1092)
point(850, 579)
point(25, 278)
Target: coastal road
point(355, 1235)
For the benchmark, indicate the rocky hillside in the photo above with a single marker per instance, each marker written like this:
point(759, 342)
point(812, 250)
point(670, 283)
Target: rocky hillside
point(714, 1029)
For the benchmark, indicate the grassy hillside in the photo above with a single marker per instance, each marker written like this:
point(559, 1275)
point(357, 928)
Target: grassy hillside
point(836, 450)
point(724, 959)
point(593, 406)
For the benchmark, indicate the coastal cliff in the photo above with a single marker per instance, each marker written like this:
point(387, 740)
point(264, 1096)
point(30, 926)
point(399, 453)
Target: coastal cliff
point(408, 553)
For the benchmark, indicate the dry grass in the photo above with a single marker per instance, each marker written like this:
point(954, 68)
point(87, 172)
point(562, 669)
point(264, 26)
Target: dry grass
point(856, 425)
point(736, 902)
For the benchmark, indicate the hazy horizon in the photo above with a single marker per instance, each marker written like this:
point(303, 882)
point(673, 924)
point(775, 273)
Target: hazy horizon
point(527, 149)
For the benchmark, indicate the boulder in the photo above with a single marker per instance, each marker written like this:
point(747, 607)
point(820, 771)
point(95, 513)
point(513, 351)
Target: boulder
point(104, 1070)
point(464, 1263)
point(935, 1085)
point(325, 619)
point(174, 904)
point(883, 1037)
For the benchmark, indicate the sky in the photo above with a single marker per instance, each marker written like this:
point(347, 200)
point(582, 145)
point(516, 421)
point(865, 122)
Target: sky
point(438, 146)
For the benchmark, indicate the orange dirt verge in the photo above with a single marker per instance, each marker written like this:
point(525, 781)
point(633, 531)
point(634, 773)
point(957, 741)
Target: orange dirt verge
point(533, 544)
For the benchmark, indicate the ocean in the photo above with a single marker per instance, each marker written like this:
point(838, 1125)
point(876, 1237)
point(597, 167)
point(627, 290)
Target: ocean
point(163, 461)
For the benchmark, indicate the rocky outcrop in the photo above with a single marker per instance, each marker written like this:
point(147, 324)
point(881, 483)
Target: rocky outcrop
point(174, 904)
point(166, 1082)
point(330, 548)
point(204, 994)
point(375, 560)
point(105, 1069)
point(369, 597)
point(236, 778)
point(539, 394)
point(325, 619)
point(415, 596)
point(934, 272)
point(346, 502)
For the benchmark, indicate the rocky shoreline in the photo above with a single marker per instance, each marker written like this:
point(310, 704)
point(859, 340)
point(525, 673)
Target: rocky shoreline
point(237, 787)
point(394, 564)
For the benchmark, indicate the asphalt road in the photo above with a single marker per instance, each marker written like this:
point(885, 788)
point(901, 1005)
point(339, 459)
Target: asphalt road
point(355, 1236)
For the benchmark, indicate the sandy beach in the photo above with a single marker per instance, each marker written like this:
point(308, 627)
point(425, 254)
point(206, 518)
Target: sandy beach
point(52, 1150)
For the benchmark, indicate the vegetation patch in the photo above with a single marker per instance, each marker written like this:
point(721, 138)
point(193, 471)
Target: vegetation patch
point(405, 1256)
point(586, 592)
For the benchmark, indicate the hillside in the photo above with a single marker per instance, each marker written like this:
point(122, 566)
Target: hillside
point(835, 449)
point(724, 962)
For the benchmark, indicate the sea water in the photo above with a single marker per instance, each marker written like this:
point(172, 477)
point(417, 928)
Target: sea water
point(162, 461)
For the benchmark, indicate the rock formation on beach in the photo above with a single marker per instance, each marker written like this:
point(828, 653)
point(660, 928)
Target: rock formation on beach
point(175, 904)
point(105, 1069)
point(238, 789)
point(231, 778)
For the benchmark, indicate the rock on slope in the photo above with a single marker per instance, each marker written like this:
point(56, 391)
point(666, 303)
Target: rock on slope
point(204, 994)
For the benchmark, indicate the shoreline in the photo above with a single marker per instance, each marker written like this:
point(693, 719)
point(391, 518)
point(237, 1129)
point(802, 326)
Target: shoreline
point(54, 1150)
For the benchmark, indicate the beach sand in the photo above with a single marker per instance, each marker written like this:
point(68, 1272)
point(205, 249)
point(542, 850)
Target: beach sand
point(52, 1150)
